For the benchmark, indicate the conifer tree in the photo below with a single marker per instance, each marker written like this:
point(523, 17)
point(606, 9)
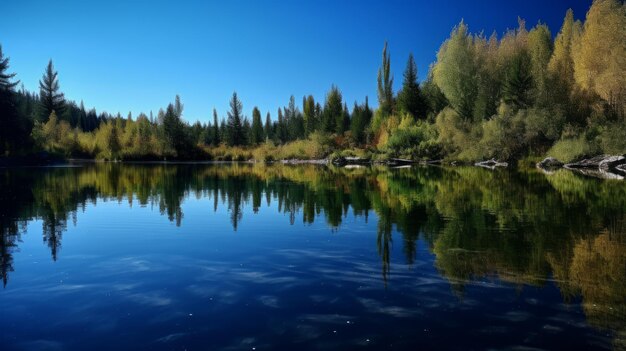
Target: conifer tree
point(216, 137)
point(235, 130)
point(410, 98)
point(268, 127)
point(51, 99)
point(12, 131)
point(256, 134)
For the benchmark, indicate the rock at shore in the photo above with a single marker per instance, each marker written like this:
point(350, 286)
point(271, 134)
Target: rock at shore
point(604, 162)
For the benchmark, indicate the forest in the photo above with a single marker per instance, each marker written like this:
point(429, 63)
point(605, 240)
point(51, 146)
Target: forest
point(523, 94)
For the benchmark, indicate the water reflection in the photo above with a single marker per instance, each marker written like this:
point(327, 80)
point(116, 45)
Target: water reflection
point(519, 227)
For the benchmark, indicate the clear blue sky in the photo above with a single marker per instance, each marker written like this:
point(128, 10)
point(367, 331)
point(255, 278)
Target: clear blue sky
point(137, 55)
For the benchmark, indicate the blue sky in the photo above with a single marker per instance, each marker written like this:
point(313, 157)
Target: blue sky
point(137, 55)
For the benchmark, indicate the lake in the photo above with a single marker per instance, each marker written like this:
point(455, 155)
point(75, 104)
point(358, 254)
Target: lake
point(257, 257)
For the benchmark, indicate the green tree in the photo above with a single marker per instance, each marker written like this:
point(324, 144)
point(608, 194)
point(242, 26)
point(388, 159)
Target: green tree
point(51, 99)
point(333, 110)
point(540, 50)
point(310, 122)
point(410, 98)
point(256, 134)
point(455, 71)
point(516, 89)
point(269, 135)
point(172, 130)
point(13, 133)
point(216, 138)
point(235, 130)
point(385, 85)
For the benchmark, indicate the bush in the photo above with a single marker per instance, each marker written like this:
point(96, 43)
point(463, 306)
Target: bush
point(572, 149)
point(418, 141)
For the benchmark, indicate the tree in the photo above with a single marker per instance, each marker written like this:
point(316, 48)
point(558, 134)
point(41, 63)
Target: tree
point(385, 85)
point(561, 65)
point(215, 139)
point(310, 122)
point(281, 128)
point(13, 133)
point(333, 110)
point(269, 135)
point(410, 98)
point(51, 98)
point(600, 63)
point(540, 50)
point(455, 71)
point(361, 117)
point(516, 89)
point(235, 132)
point(172, 130)
point(256, 134)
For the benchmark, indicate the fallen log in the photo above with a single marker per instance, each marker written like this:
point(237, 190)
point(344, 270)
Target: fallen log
point(491, 164)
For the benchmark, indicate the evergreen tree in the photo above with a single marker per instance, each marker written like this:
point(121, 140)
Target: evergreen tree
point(268, 127)
point(516, 89)
point(343, 122)
point(333, 110)
point(385, 85)
point(13, 133)
point(50, 97)
point(410, 98)
point(235, 130)
point(172, 130)
point(310, 122)
point(256, 134)
point(281, 128)
point(216, 137)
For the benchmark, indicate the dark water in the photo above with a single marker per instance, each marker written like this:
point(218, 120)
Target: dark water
point(242, 257)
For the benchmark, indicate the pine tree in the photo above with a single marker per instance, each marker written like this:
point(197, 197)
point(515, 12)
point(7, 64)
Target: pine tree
point(50, 97)
point(385, 85)
point(236, 136)
point(310, 122)
point(410, 99)
point(12, 131)
point(256, 134)
point(216, 137)
point(268, 127)
point(333, 110)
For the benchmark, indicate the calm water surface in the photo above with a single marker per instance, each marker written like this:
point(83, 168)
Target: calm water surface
point(253, 257)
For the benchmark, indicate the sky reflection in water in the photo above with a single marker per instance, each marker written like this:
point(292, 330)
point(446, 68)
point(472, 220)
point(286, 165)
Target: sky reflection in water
point(234, 257)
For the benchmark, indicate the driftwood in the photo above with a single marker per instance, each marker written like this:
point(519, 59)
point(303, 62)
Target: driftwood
point(300, 162)
point(491, 164)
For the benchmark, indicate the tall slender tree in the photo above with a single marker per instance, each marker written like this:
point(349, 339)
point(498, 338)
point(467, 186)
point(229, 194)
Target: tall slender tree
point(256, 134)
point(236, 135)
point(385, 84)
point(269, 135)
point(12, 131)
point(50, 97)
point(216, 138)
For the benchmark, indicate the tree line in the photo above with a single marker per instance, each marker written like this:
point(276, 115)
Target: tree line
point(518, 95)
